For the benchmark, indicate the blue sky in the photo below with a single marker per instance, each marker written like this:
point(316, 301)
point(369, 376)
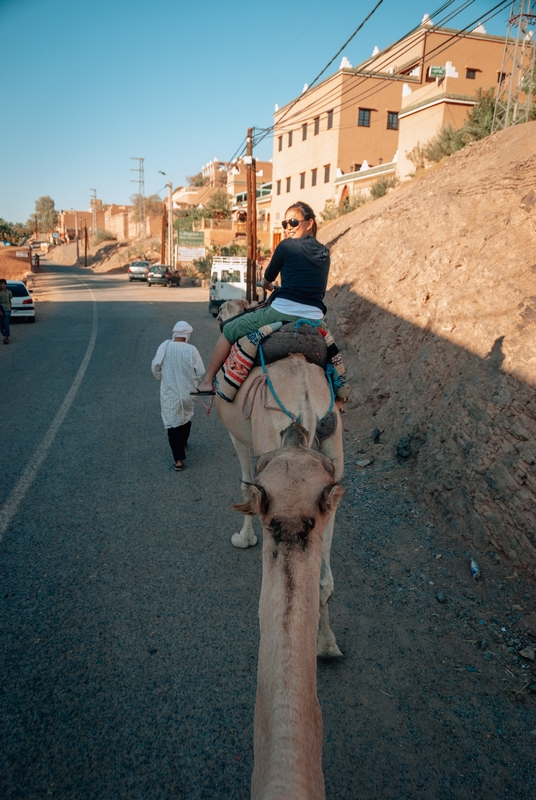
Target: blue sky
point(88, 85)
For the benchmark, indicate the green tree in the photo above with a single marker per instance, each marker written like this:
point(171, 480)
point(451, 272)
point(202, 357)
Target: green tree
point(478, 123)
point(46, 215)
point(218, 206)
point(197, 180)
point(14, 232)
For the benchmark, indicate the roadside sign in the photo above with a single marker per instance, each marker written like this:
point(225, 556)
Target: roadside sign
point(437, 72)
point(190, 253)
point(192, 238)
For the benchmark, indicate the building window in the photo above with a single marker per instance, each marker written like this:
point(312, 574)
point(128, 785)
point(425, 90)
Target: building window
point(280, 143)
point(355, 167)
point(304, 132)
point(290, 138)
point(392, 120)
point(502, 76)
point(363, 119)
point(278, 187)
point(330, 119)
point(326, 173)
point(470, 74)
point(288, 184)
point(302, 180)
point(317, 125)
point(314, 173)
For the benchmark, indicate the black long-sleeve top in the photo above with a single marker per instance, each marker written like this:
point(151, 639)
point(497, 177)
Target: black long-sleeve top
point(304, 267)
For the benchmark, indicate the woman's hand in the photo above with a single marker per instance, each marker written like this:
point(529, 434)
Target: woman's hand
point(267, 285)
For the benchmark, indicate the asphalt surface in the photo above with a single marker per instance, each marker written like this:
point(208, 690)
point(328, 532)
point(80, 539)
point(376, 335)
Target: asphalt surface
point(129, 629)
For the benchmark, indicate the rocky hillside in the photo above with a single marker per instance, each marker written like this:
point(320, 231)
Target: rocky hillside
point(433, 299)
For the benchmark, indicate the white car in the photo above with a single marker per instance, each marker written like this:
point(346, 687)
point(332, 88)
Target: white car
point(22, 302)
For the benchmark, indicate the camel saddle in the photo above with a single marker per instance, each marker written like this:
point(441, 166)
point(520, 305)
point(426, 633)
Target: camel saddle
point(288, 340)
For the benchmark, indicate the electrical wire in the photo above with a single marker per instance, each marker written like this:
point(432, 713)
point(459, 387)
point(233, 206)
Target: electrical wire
point(367, 93)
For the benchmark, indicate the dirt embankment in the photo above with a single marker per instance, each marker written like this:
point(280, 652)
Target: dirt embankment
point(433, 299)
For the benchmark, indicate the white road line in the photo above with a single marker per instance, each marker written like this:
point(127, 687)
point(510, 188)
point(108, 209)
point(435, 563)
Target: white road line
point(17, 494)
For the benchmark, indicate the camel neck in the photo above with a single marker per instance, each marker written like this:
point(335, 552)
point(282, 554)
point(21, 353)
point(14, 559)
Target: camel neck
point(288, 720)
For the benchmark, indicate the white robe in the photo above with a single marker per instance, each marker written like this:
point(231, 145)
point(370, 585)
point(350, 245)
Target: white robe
point(179, 367)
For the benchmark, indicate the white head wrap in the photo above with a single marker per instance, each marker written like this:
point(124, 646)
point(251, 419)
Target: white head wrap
point(182, 329)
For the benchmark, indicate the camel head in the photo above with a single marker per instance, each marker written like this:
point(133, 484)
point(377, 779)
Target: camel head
point(295, 491)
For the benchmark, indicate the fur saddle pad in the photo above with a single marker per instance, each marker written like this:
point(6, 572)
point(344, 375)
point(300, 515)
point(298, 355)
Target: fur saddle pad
point(288, 340)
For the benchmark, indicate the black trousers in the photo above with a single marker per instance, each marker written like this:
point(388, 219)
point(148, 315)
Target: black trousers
point(178, 438)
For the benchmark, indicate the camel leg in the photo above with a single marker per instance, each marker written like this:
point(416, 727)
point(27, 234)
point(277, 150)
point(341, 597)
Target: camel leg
point(246, 537)
point(326, 643)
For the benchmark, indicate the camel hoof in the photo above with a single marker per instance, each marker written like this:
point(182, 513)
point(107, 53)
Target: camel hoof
point(238, 541)
point(330, 652)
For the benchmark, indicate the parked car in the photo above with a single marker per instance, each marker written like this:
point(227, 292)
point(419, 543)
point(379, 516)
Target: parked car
point(22, 302)
point(161, 273)
point(137, 271)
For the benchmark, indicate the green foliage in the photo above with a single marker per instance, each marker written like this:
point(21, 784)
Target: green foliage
point(14, 232)
point(330, 210)
point(478, 123)
point(103, 236)
point(197, 180)
point(351, 203)
point(204, 265)
point(446, 142)
point(380, 187)
point(45, 215)
point(218, 206)
point(186, 217)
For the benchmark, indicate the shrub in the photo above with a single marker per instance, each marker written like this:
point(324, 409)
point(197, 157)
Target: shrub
point(380, 187)
point(330, 210)
point(103, 236)
point(446, 142)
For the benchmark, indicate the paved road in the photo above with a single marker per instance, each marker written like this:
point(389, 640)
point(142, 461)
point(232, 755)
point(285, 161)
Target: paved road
point(128, 622)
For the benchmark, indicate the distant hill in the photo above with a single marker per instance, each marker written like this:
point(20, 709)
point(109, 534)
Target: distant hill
point(433, 299)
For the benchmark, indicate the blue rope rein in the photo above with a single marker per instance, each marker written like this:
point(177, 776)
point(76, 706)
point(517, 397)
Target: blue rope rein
point(270, 386)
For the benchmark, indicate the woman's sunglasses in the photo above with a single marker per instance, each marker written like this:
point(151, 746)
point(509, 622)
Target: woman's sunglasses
point(292, 222)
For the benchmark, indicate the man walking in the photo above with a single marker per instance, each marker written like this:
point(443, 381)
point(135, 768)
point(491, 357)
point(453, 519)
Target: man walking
point(179, 367)
point(5, 310)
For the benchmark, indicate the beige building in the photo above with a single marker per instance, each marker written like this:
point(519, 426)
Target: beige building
point(340, 137)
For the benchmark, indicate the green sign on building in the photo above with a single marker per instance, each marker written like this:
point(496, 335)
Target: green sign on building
point(192, 238)
point(437, 72)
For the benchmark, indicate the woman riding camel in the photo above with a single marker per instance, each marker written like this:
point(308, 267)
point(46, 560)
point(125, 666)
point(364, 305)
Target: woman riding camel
point(303, 263)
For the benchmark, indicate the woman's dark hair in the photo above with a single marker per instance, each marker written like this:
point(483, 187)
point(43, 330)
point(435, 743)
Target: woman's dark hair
point(307, 212)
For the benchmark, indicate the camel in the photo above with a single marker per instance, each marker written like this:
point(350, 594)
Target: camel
point(295, 495)
point(255, 422)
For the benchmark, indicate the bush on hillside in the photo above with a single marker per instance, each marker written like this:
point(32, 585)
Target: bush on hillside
point(381, 187)
point(103, 236)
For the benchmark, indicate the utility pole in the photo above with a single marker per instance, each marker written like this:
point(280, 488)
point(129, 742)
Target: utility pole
point(251, 224)
point(518, 67)
point(93, 204)
point(76, 236)
point(142, 229)
point(170, 225)
point(85, 245)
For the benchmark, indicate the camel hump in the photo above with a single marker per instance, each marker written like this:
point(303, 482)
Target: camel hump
point(289, 340)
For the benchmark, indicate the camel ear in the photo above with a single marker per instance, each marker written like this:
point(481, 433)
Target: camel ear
point(258, 501)
point(330, 498)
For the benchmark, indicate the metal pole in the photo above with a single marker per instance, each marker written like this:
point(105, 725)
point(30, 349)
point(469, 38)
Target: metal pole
point(170, 225)
point(250, 223)
point(85, 245)
point(76, 236)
